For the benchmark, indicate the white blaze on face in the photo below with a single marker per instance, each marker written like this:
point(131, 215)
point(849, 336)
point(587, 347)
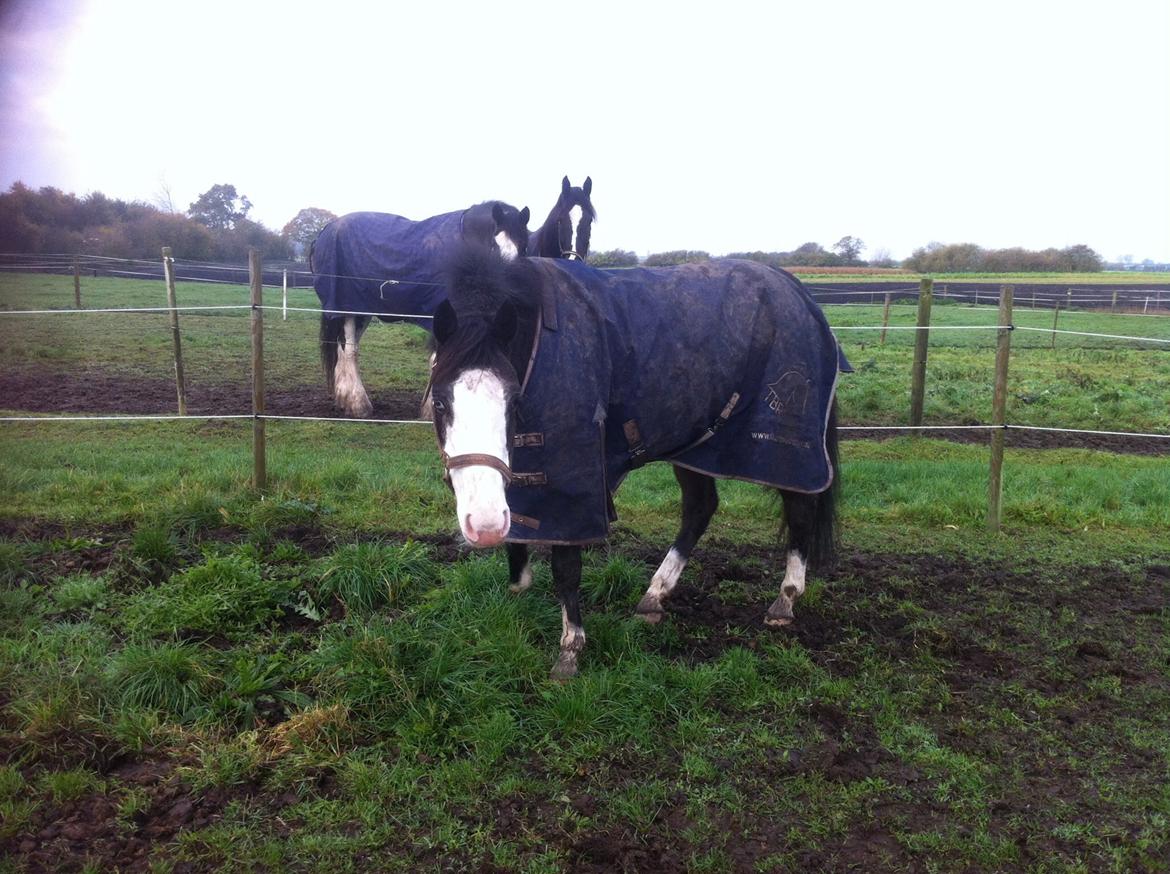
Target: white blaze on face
point(575, 215)
point(508, 250)
point(479, 427)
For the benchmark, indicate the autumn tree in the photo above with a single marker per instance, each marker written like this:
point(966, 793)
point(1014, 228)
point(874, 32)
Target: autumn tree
point(220, 208)
point(303, 228)
point(848, 249)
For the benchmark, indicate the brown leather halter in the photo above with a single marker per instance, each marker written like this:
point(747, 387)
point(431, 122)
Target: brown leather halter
point(475, 459)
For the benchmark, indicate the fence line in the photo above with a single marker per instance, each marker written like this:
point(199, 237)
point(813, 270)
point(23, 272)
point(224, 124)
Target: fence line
point(244, 306)
point(925, 295)
point(338, 420)
point(1090, 334)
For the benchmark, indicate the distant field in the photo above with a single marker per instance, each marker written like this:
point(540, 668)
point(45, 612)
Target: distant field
point(1117, 278)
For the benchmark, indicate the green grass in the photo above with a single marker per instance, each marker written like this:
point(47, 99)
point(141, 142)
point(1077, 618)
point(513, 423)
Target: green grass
point(216, 345)
point(340, 688)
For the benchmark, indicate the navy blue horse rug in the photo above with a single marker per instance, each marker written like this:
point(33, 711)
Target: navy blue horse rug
point(725, 367)
point(376, 262)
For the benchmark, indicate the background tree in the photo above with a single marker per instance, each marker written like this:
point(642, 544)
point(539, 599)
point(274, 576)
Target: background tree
point(811, 255)
point(848, 249)
point(613, 258)
point(303, 228)
point(220, 207)
point(677, 256)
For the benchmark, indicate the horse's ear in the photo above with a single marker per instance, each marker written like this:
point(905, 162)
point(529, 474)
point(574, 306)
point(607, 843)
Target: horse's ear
point(524, 213)
point(588, 186)
point(504, 326)
point(445, 322)
point(565, 186)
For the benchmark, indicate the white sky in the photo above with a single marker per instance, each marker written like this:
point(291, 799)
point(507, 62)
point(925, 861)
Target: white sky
point(723, 126)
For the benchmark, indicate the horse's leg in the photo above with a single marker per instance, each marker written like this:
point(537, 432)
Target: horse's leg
point(519, 567)
point(427, 410)
point(566, 569)
point(800, 510)
point(699, 503)
point(348, 392)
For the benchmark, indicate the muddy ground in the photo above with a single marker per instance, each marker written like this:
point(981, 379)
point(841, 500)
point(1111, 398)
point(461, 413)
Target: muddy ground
point(718, 605)
point(102, 392)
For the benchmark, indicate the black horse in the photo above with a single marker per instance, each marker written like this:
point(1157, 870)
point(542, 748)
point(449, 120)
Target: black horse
point(565, 378)
point(565, 233)
point(373, 263)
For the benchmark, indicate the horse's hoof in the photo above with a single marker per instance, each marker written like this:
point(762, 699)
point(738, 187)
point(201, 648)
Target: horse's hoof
point(779, 614)
point(565, 668)
point(522, 584)
point(649, 609)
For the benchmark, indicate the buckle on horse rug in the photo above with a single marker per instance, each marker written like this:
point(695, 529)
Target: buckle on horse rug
point(634, 439)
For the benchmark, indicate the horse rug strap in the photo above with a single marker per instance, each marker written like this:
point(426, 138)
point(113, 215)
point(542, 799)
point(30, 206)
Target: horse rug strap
point(354, 256)
point(727, 367)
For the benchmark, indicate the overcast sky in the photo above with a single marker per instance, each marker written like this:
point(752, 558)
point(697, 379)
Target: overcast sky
point(723, 126)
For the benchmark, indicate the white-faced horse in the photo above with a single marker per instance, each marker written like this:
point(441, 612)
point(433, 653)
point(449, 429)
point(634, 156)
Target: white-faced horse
point(373, 263)
point(565, 233)
point(552, 381)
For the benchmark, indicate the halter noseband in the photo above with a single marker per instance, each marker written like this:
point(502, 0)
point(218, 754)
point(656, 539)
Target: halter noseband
point(570, 254)
point(475, 459)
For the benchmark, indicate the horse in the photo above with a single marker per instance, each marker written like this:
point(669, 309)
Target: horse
point(383, 263)
point(565, 233)
point(553, 380)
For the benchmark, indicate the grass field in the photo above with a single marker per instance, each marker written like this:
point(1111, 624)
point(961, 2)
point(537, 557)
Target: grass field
point(197, 677)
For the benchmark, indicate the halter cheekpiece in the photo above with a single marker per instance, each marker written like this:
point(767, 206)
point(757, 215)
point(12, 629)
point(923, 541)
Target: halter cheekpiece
point(476, 459)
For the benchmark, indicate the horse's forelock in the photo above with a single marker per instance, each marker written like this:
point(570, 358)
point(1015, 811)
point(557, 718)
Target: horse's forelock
point(479, 284)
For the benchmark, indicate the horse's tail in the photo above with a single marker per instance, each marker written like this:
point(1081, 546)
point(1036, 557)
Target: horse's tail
point(811, 519)
point(332, 328)
point(823, 548)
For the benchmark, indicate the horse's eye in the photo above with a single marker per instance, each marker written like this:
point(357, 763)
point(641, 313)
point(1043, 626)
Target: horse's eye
point(440, 406)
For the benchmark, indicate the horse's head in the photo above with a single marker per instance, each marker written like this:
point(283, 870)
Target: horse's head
point(498, 227)
point(565, 233)
point(475, 381)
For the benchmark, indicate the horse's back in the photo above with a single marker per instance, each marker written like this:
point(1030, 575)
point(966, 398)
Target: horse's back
point(724, 367)
point(383, 263)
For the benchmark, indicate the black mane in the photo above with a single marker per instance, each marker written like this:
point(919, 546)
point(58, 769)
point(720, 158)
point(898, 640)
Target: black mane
point(481, 285)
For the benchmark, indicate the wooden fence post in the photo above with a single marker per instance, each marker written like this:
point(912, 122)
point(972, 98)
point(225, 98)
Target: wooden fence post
point(1113, 306)
point(180, 382)
point(259, 461)
point(885, 319)
point(76, 282)
point(918, 372)
point(284, 296)
point(1055, 319)
point(999, 409)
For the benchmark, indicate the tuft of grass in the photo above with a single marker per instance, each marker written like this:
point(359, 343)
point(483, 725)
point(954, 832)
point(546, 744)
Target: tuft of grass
point(71, 784)
point(619, 582)
point(154, 545)
point(224, 594)
point(80, 592)
point(169, 677)
point(11, 563)
point(368, 576)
